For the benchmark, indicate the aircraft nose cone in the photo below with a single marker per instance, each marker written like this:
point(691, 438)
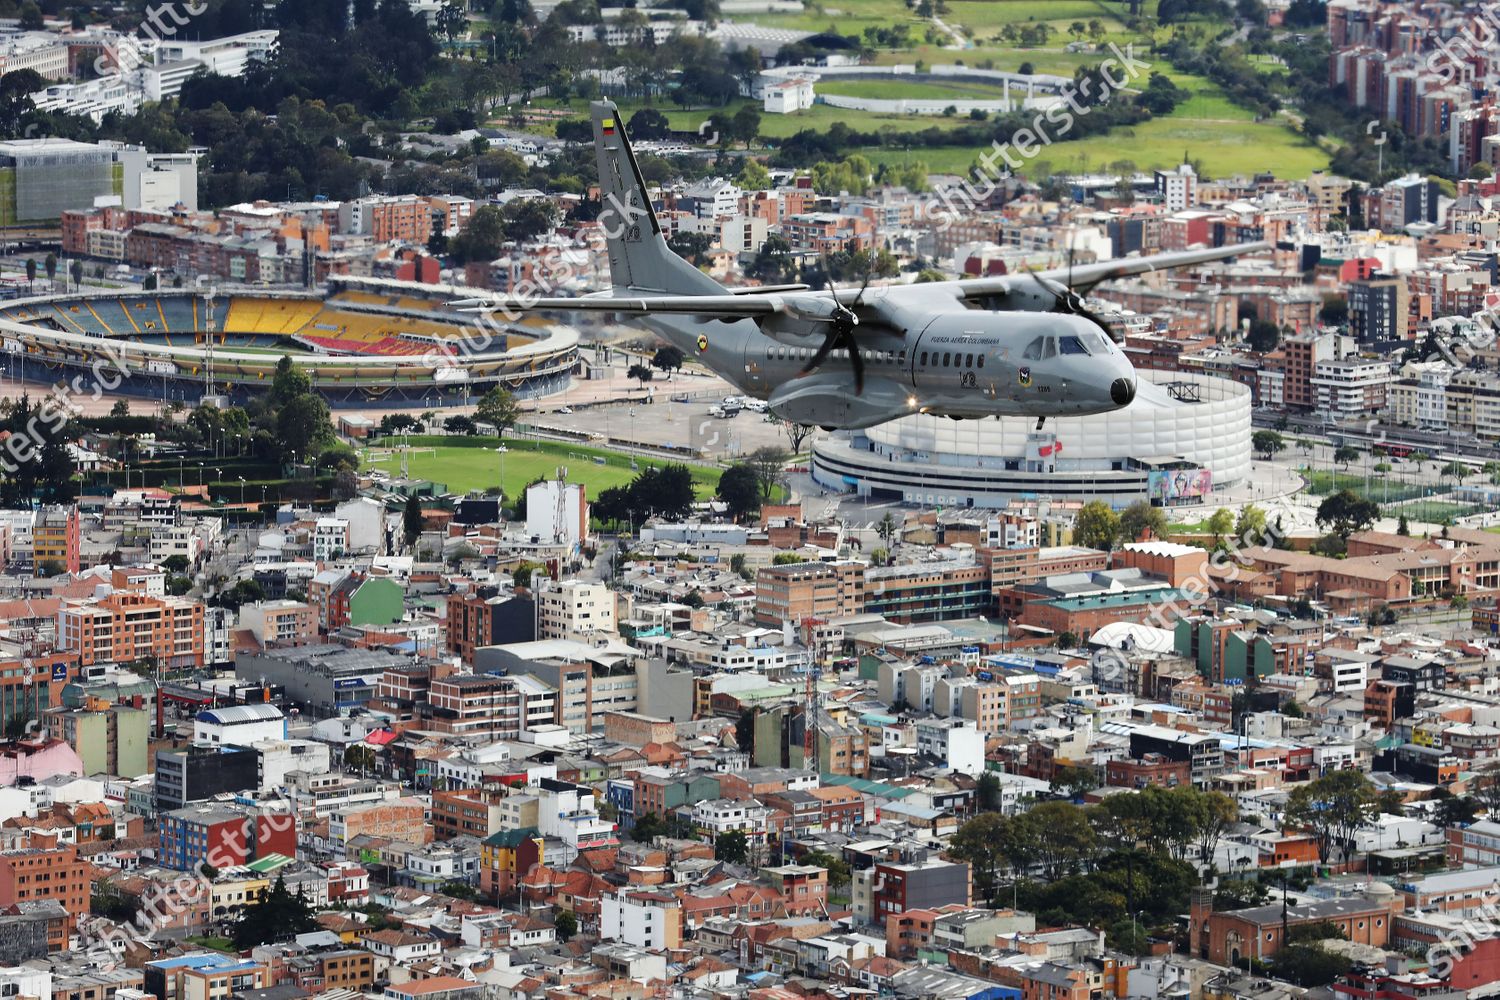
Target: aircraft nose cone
point(1122, 391)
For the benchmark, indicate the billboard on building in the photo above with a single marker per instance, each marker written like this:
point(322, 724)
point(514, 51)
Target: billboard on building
point(1171, 487)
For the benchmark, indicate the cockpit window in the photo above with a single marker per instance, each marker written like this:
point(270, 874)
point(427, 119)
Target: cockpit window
point(1036, 350)
point(1072, 345)
point(1096, 343)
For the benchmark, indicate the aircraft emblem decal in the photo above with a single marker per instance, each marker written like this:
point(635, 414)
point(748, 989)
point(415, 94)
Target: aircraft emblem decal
point(1023, 375)
point(702, 343)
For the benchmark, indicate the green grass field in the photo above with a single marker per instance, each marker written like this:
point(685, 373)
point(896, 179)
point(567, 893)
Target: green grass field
point(1432, 511)
point(898, 89)
point(1382, 488)
point(475, 465)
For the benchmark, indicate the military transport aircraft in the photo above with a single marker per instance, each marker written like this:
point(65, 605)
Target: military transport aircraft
point(1020, 344)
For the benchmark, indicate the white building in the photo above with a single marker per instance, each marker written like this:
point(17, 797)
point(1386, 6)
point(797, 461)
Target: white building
point(366, 522)
point(720, 816)
point(279, 757)
point(556, 511)
point(956, 743)
point(23, 981)
point(713, 198)
point(573, 608)
point(330, 538)
point(239, 725)
point(787, 96)
point(1178, 187)
point(567, 811)
point(644, 919)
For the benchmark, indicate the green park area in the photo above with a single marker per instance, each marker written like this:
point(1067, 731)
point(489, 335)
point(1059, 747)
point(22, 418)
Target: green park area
point(463, 464)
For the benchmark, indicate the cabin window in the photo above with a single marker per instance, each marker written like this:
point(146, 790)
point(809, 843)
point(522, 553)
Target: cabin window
point(923, 361)
point(947, 359)
point(968, 361)
point(981, 361)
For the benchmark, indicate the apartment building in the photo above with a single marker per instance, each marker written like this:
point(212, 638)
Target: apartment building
point(386, 219)
point(126, 627)
point(56, 538)
point(291, 623)
point(1351, 388)
point(574, 608)
point(47, 870)
point(482, 705)
point(794, 591)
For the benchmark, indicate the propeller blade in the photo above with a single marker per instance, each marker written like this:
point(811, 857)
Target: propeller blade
point(858, 362)
point(817, 359)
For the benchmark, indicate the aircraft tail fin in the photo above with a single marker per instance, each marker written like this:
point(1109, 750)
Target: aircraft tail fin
point(639, 258)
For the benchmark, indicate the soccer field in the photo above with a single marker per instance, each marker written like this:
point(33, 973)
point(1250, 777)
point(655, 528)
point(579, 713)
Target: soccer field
point(475, 465)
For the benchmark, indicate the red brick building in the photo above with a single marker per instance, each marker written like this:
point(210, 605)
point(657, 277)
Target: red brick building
point(47, 870)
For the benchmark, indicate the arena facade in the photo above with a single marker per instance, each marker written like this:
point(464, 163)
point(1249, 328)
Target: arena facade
point(1182, 437)
point(364, 342)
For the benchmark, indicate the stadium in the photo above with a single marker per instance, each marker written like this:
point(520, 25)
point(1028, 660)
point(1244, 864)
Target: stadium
point(363, 342)
point(1182, 437)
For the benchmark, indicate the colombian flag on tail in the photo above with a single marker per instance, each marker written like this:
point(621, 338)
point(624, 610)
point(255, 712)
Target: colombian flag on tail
point(608, 125)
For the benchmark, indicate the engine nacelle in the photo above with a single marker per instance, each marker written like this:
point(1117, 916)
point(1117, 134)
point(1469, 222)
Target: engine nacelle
point(829, 400)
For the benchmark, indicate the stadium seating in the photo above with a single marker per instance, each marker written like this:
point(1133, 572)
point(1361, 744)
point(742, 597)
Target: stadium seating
point(250, 315)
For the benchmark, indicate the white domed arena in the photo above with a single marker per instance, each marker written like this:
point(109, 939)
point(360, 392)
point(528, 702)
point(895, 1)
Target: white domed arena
point(1183, 436)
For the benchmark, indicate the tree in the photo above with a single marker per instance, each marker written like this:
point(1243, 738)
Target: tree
point(460, 424)
point(499, 409)
point(1309, 964)
point(1220, 524)
point(1096, 526)
point(1346, 512)
point(668, 359)
point(769, 462)
point(641, 373)
point(1345, 453)
point(1332, 808)
point(76, 270)
point(837, 867)
point(753, 176)
point(1403, 527)
point(31, 16)
point(987, 792)
point(981, 842)
point(739, 488)
point(888, 529)
point(1263, 336)
point(732, 847)
point(1267, 443)
point(566, 925)
point(50, 265)
point(1250, 526)
point(278, 916)
point(1141, 517)
point(1487, 789)
point(30, 272)
point(411, 519)
point(481, 237)
point(647, 828)
point(1061, 836)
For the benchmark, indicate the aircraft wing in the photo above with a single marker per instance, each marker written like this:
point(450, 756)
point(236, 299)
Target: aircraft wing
point(757, 302)
point(1086, 276)
point(746, 304)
